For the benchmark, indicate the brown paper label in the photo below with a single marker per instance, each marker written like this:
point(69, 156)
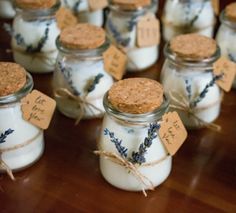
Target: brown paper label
point(37, 108)
point(172, 132)
point(216, 6)
point(97, 4)
point(227, 69)
point(148, 31)
point(115, 62)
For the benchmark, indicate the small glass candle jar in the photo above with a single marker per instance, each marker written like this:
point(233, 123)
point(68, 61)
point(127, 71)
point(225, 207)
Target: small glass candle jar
point(21, 143)
point(226, 35)
point(34, 33)
point(6, 9)
point(80, 80)
point(134, 108)
point(188, 79)
point(187, 16)
point(84, 13)
point(121, 27)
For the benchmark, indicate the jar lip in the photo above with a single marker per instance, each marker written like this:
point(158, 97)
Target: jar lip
point(190, 62)
point(40, 12)
point(225, 20)
point(137, 118)
point(83, 53)
point(20, 93)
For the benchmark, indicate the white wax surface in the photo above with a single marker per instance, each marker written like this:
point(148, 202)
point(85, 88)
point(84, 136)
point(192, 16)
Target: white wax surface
point(179, 14)
point(81, 73)
point(6, 9)
point(131, 138)
point(138, 58)
point(32, 32)
point(226, 39)
point(85, 15)
point(174, 81)
point(23, 131)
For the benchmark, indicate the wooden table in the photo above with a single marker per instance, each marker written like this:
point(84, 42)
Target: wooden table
point(67, 177)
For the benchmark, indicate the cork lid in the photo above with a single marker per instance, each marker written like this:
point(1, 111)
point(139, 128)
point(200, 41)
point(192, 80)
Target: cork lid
point(230, 11)
point(65, 18)
point(82, 36)
point(136, 95)
point(35, 4)
point(131, 4)
point(193, 46)
point(12, 78)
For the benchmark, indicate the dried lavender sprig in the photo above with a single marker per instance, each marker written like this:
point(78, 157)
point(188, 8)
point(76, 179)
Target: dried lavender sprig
point(205, 91)
point(132, 22)
point(96, 80)
point(188, 89)
point(67, 74)
point(121, 149)
point(116, 34)
point(76, 6)
point(195, 18)
point(139, 157)
point(4, 135)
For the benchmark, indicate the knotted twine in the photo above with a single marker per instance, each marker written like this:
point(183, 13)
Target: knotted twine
point(64, 93)
point(3, 165)
point(132, 168)
point(181, 103)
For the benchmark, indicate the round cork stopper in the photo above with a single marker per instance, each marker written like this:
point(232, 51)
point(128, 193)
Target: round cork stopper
point(82, 36)
point(12, 78)
point(35, 4)
point(193, 46)
point(136, 95)
point(65, 18)
point(230, 11)
point(131, 4)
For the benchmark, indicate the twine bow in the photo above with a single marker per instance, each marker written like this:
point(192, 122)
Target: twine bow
point(64, 93)
point(3, 165)
point(181, 103)
point(133, 168)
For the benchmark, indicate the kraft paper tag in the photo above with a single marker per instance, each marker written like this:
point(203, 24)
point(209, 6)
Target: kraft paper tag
point(227, 68)
point(115, 62)
point(37, 108)
point(148, 31)
point(97, 4)
point(216, 6)
point(172, 132)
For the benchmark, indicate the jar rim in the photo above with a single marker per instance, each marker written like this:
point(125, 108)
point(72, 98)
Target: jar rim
point(20, 93)
point(190, 62)
point(225, 20)
point(40, 12)
point(136, 118)
point(87, 53)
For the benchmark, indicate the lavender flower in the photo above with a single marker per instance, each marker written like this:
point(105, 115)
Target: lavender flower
point(205, 91)
point(4, 135)
point(96, 80)
point(121, 149)
point(188, 89)
point(138, 157)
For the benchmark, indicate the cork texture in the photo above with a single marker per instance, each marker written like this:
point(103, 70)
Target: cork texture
point(136, 95)
point(35, 4)
point(131, 4)
point(82, 36)
point(65, 18)
point(12, 78)
point(193, 46)
point(230, 11)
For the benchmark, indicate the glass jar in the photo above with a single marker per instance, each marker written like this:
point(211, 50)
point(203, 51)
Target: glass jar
point(188, 16)
point(226, 36)
point(131, 130)
point(121, 27)
point(81, 73)
point(82, 10)
point(23, 143)
point(6, 9)
point(33, 38)
point(190, 86)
